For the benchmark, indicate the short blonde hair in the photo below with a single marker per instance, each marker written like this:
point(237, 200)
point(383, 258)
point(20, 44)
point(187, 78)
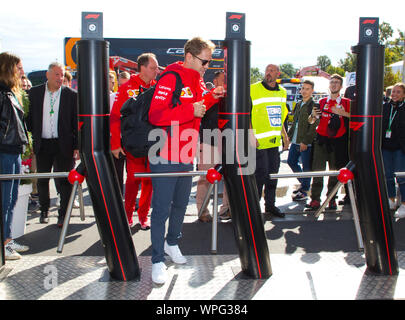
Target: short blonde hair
point(124, 75)
point(401, 85)
point(196, 45)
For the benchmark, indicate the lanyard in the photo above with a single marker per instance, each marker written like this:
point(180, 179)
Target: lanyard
point(391, 119)
point(52, 101)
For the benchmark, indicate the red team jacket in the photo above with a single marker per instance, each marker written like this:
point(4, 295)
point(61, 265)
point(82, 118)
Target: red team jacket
point(326, 105)
point(126, 91)
point(181, 143)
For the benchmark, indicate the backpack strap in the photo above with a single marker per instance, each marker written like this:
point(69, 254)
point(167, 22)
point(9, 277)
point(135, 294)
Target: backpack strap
point(177, 90)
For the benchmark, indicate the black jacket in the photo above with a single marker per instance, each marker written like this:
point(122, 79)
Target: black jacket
point(397, 140)
point(67, 119)
point(13, 132)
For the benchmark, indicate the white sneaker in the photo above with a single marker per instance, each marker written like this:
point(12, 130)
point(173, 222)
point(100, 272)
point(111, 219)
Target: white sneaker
point(159, 273)
point(175, 254)
point(18, 247)
point(10, 253)
point(58, 201)
point(76, 204)
point(393, 205)
point(400, 212)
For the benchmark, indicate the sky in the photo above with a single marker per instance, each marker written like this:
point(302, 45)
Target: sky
point(288, 31)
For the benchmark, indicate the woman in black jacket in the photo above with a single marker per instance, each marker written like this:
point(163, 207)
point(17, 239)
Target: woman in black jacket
point(393, 145)
point(13, 137)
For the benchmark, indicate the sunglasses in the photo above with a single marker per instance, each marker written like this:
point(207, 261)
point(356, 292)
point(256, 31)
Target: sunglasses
point(203, 62)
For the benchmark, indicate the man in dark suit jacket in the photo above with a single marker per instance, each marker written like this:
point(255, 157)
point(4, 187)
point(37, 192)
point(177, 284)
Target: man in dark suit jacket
point(52, 119)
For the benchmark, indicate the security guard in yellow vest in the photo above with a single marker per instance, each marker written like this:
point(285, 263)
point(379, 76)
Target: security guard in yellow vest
point(269, 111)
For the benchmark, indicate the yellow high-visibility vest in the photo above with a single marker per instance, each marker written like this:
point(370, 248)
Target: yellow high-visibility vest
point(269, 110)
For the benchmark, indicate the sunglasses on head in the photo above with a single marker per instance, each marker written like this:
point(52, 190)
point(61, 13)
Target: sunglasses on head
point(203, 62)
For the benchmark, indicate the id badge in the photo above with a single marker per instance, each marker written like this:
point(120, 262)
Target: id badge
point(274, 114)
point(388, 134)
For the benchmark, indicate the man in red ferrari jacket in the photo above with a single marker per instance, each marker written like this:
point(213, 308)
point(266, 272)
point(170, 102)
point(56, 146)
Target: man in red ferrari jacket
point(148, 70)
point(182, 122)
point(331, 143)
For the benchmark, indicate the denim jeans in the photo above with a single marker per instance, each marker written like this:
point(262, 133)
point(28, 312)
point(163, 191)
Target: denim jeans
point(293, 157)
point(9, 164)
point(169, 201)
point(394, 161)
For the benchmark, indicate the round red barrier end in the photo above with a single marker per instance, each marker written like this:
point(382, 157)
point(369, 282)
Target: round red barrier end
point(345, 175)
point(213, 175)
point(75, 176)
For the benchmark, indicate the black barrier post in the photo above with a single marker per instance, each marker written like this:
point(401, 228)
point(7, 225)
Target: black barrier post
point(240, 183)
point(365, 152)
point(94, 137)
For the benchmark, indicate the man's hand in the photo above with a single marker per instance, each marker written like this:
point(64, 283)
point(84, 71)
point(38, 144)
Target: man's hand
point(76, 155)
point(199, 109)
point(286, 142)
point(316, 113)
point(285, 138)
point(218, 92)
point(116, 152)
point(340, 112)
point(303, 147)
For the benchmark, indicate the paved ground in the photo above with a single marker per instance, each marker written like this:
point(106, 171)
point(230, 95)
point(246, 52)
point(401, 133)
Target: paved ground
point(298, 241)
point(298, 232)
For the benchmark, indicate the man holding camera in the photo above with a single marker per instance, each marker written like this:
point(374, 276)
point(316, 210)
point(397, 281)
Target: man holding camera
point(302, 134)
point(331, 139)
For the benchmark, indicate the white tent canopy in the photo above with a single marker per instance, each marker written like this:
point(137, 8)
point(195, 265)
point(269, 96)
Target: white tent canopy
point(321, 83)
point(397, 67)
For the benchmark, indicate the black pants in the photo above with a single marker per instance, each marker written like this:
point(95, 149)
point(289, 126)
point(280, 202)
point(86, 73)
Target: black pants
point(335, 153)
point(342, 156)
point(267, 162)
point(48, 157)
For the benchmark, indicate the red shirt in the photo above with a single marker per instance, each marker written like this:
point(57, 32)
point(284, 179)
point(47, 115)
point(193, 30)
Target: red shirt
point(181, 144)
point(128, 90)
point(326, 104)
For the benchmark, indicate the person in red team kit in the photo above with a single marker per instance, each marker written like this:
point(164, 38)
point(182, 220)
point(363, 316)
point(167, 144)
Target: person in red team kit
point(148, 70)
point(331, 143)
point(182, 123)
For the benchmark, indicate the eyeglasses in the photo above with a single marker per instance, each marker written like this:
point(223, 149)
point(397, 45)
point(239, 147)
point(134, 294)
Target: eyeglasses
point(203, 62)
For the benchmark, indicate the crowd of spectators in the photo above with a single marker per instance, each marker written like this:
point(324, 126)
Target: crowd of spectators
point(29, 120)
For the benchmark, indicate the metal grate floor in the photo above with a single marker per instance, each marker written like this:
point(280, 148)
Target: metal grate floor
point(309, 276)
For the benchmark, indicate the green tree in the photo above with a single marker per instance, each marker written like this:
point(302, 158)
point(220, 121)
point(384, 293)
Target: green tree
point(391, 78)
point(349, 63)
point(385, 32)
point(394, 52)
point(255, 75)
point(323, 62)
point(331, 70)
point(287, 70)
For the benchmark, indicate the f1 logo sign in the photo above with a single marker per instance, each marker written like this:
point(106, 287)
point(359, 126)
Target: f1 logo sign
point(92, 16)
point(235, 25)
point(92, 25)
point(236, 16)
point(355, 126)
point(368, 30)
point(369, 21)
